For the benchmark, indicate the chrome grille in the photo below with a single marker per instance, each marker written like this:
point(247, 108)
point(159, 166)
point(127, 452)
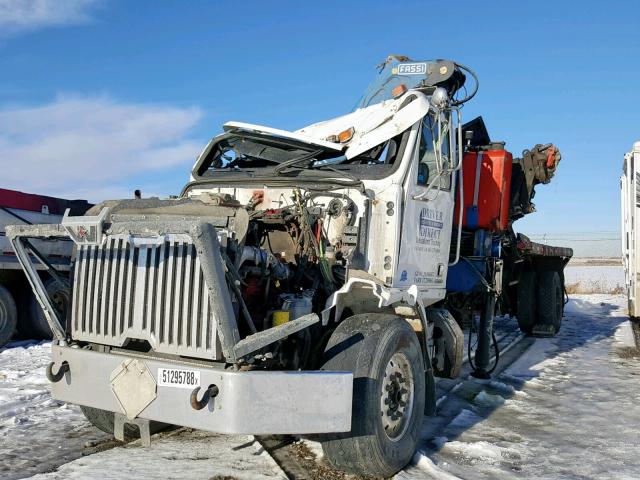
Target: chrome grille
point(149, 289)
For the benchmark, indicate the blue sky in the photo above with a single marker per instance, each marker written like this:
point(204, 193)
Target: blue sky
point(100, 97)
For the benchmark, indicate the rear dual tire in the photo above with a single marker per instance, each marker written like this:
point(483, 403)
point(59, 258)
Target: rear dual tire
point(550, 299)
point(34, 324)
point(385, 357)
point(8, 316)
point(540, 300)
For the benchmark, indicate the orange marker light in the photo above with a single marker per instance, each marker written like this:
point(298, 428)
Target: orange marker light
point(399, 90)
point(346, 135)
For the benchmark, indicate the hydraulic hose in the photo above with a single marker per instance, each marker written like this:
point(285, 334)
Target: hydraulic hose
point(476, 85)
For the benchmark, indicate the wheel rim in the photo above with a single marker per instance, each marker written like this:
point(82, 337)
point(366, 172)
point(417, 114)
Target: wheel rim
point(60, 302)
point(4, 316)
point(397, 395)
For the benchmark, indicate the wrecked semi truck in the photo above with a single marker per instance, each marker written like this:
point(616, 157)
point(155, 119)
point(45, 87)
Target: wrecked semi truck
point(298, 285)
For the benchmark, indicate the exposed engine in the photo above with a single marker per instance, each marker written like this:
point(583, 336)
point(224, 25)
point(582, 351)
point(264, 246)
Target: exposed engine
point(286, 265)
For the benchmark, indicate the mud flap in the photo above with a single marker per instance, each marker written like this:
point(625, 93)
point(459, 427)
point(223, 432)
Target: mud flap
point(449, 342)
point(430, 393)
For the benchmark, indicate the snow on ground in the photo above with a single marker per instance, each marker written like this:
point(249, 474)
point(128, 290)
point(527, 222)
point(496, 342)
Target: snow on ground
point(36, 432)
point(567, 408)
point(594, 278)
point(181, 454)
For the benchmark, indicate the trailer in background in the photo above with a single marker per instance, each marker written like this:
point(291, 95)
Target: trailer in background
point(19, 309)
point(629, 203)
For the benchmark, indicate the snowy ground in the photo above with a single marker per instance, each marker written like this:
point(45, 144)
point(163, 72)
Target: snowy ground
point(594, 278)
point(567, 408)
point(181, 454)
point(563, 408)
point(36, 432)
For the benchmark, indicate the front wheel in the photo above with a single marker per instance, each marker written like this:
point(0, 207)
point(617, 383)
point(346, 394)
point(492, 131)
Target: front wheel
point(104, 420)
point(385, 357)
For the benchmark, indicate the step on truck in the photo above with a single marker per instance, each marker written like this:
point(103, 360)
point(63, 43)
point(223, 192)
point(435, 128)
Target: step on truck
point(20, 311)
point(629, 203)
point(303, 282)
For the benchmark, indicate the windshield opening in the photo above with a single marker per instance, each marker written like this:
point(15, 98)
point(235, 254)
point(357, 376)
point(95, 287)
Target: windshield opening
point(264, 155)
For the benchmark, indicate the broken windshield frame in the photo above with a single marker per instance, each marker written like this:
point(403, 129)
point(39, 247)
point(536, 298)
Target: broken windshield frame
point(268, 156)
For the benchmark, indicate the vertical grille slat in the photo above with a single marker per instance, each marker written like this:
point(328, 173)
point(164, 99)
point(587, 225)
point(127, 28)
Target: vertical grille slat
point(150, 267)
point(121, 292)
point(77, 288)
point(85, 287)
point(178, 297)
point(144, 289)
point(91, 291)
point(105, 287)
point(187, 294)
point(195, 300)
point(160, 277)
point(97, 290)
point(169, 259)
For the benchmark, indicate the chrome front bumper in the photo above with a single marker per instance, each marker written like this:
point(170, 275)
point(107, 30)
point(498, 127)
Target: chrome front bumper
point(251, 402)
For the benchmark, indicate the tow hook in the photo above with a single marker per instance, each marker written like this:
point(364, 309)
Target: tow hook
point(208, 394)
point(56, 377)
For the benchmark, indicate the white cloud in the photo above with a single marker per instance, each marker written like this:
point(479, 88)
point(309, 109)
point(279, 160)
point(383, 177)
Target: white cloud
point(92, 147)
point(18, 16)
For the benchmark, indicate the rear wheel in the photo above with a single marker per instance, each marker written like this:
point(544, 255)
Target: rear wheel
point(60, 298)
point(8, 316)
point(385, 357)
point(527, 298)
point(550, 299)
point(104, 420)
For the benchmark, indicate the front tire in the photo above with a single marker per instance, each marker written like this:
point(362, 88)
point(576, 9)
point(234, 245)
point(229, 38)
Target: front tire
point(104, 420)
point(385, 357)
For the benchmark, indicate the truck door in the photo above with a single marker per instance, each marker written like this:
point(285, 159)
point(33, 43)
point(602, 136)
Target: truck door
point(428, 212)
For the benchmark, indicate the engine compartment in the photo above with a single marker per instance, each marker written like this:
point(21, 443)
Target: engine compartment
point(279, 263)
point(291, 260)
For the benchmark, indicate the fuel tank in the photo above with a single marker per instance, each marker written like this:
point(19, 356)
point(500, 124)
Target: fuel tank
point(487, 186)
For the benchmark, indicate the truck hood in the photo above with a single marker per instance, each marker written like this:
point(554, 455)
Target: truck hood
point(375, 124)
point(372, 125)
point(298, 136)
